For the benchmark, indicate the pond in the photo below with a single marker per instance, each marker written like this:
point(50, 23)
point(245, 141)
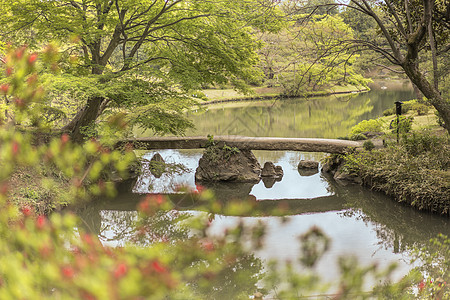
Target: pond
point(360, 223)
point(322, 117)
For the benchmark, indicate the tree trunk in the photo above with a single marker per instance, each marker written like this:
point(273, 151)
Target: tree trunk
point(417, 92)
point(84, 118)
point(93, 108)
point(433, 95)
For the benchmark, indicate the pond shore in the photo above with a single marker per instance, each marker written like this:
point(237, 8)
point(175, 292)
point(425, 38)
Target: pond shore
point(413, 170)
point(264, 93)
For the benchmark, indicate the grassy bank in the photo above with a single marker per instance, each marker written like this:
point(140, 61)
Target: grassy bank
point(38, 189)
point(226, 95)
point(416, 170)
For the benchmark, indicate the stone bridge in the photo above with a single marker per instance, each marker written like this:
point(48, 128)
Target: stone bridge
point(245, 143)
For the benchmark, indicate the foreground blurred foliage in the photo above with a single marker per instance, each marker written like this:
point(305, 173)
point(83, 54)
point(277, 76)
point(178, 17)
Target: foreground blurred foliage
point(43, 257)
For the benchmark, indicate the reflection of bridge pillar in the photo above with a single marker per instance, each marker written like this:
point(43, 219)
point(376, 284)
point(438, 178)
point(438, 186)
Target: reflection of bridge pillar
point(126, 185)
point(396, 243)
point(91, 221)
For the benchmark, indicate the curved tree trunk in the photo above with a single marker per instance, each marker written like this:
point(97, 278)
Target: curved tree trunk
point(433, 95)
point(84, 118)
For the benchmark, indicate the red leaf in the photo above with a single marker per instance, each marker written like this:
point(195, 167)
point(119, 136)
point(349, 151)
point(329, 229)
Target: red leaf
point(208, 246)
point(40, 222)
point(120, 270)
point(19, 102)
point(200, 188)
point(19, 52)
point(65, 138)
point(159, 199)
point(32, 58)
point(421, 285)
point(26, 210)
point(15, 148)
point(4, 88)
point(158, 267)
point(68, 272)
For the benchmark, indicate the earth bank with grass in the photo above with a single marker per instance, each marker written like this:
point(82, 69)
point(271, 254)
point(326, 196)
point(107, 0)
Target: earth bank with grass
point(414, 170)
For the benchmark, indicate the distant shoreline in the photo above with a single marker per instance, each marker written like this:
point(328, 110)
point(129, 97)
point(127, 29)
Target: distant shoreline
point(216, 96)
point(281, 96)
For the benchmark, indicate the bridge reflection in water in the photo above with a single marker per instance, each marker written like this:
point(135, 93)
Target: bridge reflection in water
point(397, 226)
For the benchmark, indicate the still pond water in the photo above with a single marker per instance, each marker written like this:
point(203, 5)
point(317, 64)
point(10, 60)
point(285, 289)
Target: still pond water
point(360, 223)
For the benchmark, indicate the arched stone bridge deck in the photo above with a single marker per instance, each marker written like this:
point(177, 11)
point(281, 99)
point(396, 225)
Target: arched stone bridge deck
point(243, 142)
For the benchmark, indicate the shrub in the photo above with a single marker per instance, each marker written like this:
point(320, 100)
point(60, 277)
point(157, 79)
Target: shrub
point(436, 283)
point(43, 257)
point(419, 143)
point(405, 124)
point(389, 112)
point(368, 145)
point(421, 108)
point(358, 137)
point(405, 108)
point(374, 125)
point(414, 171)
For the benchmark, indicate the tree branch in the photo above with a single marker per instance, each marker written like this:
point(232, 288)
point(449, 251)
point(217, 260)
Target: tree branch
point(146, 33)
point(398, 56)
point(432, 46)
point(397, 19)
point(408, 16)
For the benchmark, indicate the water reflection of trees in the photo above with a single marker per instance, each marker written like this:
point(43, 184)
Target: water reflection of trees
point(121, 225)
point(293, 156)
point(237, 281)
point(159, 176)
point(319, 117)
point(116, 225)
point(397, 225)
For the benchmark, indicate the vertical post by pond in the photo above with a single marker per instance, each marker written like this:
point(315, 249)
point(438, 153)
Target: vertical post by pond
point(398, 112)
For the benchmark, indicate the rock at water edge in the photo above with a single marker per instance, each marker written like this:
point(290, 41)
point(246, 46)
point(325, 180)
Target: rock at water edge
point(270, 170)
point(308, 164)
point(219, 164)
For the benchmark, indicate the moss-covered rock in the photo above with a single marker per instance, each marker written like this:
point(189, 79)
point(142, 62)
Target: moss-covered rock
point(228, 164)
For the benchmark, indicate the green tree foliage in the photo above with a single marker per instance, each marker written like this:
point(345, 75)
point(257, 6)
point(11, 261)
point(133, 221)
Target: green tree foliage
point(311, 56)
point(364, 28)
point(320, 7)
point(142, 56)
